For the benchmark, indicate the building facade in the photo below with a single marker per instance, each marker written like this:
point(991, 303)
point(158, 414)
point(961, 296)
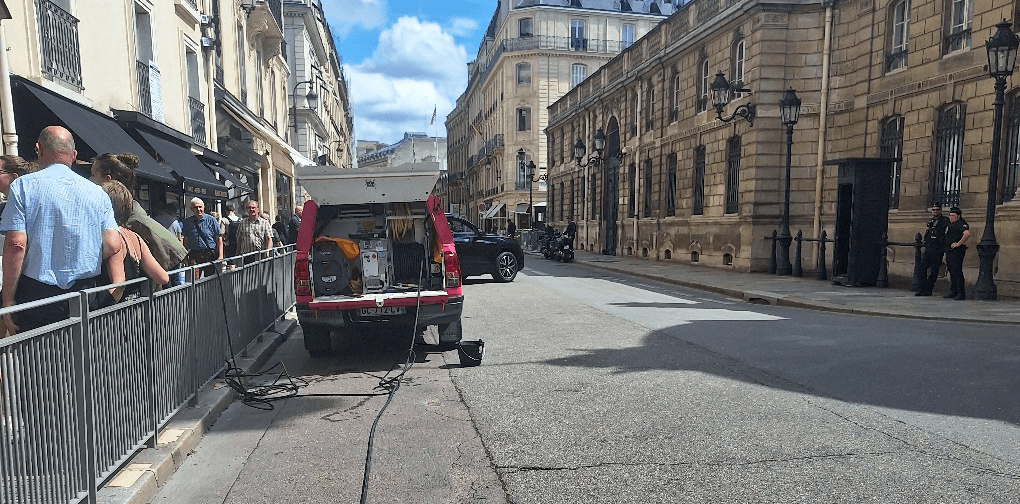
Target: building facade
point(413, 148)
point(533, 52)
point(678, 183)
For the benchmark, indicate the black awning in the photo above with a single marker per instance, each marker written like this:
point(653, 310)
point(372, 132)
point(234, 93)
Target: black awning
point(229, 177)
point(101, 134)
point(196, 177)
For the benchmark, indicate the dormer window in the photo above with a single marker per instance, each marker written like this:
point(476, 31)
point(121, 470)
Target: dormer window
point(524, 28)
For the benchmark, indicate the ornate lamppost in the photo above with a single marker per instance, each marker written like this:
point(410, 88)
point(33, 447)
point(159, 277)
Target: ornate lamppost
point(530, 173)
point(311, 99)
point(580, 150)
point(1001, 48)
point(722, 90)
point(789, 108)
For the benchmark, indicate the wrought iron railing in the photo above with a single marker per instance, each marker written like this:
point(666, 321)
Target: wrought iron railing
point(896, 60)
point(144, 94)
point(957, 41)
point(276, 8)
point(197, 120)
point(58, 34)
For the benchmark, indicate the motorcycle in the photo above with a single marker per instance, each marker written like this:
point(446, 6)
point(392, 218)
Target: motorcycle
point(547, 242)
point(563, 248)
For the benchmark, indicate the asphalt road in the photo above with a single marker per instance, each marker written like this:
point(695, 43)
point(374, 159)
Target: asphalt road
point(596, 388)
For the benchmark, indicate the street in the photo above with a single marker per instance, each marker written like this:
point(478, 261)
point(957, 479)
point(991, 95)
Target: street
point(601, 388)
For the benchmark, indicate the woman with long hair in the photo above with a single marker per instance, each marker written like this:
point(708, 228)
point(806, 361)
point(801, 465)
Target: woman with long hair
point(134, 257)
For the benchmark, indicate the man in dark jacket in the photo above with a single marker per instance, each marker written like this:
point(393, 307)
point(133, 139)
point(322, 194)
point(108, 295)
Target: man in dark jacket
point(294, 225)
point(934, 246)
point(956, 235)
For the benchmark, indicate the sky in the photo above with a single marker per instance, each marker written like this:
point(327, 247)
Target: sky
point(405, 58)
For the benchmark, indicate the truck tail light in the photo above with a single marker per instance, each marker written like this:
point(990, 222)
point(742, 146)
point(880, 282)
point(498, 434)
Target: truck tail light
point(302, 278)
point(452, 270)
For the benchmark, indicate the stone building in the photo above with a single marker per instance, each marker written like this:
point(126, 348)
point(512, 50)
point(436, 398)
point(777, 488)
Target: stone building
point(413, 148)
point(532, 53)
point(904, 80)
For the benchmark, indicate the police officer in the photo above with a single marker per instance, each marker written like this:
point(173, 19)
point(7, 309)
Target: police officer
point(956, 235)
point(934, 246)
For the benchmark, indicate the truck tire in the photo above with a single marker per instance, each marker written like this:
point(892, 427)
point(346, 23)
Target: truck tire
point(317, 340)
point(506, 267)
point(450, 334)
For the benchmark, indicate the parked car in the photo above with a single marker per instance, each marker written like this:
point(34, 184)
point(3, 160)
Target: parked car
point(375, 248)
point(485, 253)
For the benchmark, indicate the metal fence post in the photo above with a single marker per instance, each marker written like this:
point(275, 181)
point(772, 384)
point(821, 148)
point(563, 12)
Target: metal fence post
point(919, 274)
point(883, 267)
point(83, 370)
point(821, 273)
point(797, 266)
point(150, 332)
point(772, 258)
point(192, 338)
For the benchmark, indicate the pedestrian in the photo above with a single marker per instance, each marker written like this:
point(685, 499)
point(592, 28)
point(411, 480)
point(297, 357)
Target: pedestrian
point(280, 231)
point(230, 239)
point(956, 235)
point(571, 230)
point(11, 167)
point(294, 226)
point(165, 247)
point(134, 259)
point(60, 227)
point(202, 237)
point(511, 228)
point(254, 234)
point(165, 214)
point(934, 247)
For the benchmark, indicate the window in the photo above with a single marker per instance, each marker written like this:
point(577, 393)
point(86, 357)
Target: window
point(259, 84)
point(593, 197)
point(946, 177)
point(1012, 168)
point(524, 73)
point(577, 40)
point(892, 147)
point(272, 96)
point(561, 200)
point(674, 112)
point(738, 65)
point(732, 175)
point(627, 36)
point(647, 189)
point(240, 65)
point(578, 73)
point(961, 12)
point(650, 106)
point(552, 204)
point(671, 185)
point(897, 57)
point(524, 27)
point(524, 119)
point(147, 74)
point(632, 188)
point(634, 113)
point(703, 87)
point(698, 182)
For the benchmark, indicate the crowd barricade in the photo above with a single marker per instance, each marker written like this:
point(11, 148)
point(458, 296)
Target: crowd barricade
point(80, 397)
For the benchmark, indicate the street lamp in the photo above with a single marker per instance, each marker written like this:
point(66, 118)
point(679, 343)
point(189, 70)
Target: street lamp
point(600, 147)
point(721, 91)
point(311, 98)
point(1001, 48)
point(789, 109)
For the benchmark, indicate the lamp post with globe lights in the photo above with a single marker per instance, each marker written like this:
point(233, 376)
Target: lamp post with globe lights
point(789, 108)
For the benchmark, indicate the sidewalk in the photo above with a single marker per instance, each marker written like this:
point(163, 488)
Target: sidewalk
point(806, 292)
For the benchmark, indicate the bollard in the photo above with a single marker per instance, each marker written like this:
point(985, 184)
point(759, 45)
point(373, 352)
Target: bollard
point(919, 273)
point(772, 259)
point(797, 267)
point(883, 267)
point(821, 274)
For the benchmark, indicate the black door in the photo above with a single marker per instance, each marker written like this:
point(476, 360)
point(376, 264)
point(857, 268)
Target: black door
point(611, 198)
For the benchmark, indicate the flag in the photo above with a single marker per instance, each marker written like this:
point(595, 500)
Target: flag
point(479, 133)
point(433, 116)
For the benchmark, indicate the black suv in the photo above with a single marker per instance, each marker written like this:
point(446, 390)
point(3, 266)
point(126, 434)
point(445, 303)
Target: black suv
point(485, 254)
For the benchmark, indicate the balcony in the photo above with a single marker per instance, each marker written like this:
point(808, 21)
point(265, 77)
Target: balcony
point(144, 96)
point(58, 34)
point(197, 120)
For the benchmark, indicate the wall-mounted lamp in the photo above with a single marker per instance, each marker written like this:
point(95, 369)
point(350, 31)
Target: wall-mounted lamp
point(248, 6)
point(722, 90)
point(311, 98)
point(600, 147)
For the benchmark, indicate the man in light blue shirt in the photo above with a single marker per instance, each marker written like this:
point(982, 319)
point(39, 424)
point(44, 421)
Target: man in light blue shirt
point(60, 227)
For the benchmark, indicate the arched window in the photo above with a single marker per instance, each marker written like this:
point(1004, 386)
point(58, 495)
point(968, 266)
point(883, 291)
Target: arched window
point(671, 185)
point(899, 35)
point(1011, 170)
point(698, 182)
point(650, 106)
point(703, 85)
point(733, 175)
point(947, 161)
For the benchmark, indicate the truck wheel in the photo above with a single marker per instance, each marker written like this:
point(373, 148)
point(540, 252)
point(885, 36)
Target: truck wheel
point(506, 267)
point(449, 335)
point(317, 340)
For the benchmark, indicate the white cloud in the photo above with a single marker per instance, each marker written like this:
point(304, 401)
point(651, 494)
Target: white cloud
point(417, 66)
point(368, 14)
point(462, 27)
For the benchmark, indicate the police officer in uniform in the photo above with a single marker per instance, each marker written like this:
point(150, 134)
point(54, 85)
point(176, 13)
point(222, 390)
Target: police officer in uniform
point(956, 235)
point(934, 245)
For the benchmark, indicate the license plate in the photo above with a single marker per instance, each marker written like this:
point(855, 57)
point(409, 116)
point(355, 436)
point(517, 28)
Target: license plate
point(385, 310)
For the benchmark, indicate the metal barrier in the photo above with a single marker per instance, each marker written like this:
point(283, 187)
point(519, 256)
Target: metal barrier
point(80, 397)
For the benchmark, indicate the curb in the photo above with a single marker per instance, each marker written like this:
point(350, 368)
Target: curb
point(138, 480)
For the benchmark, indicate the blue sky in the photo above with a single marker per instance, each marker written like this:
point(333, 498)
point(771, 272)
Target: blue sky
point(403, 58)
